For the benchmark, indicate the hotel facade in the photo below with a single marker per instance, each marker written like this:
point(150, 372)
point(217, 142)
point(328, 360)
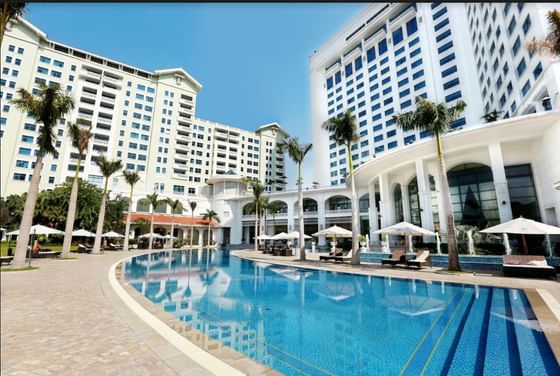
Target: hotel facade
point(496, 171)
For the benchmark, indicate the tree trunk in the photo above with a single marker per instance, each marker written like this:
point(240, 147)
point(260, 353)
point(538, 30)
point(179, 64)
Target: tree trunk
point(256, 225)
point(4, 25)
point(452, 254)
point(208, 236)
point(152, 231)
point(192, 229)
point(300, 210)
point(100, 220)
point(355, 214)
point(70, 217)
point(27, 216)
point(128, 217)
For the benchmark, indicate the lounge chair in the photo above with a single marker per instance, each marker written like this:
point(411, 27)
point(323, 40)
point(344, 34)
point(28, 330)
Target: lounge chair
point(83, 249)
point(421, 258)
point(48, 254)
point(397, 257)
point(527, 266)
point(338, 255)
point(6, 260)
point(113, 247)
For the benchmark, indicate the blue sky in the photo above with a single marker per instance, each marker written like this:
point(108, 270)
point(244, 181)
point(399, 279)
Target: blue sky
point(252, 59)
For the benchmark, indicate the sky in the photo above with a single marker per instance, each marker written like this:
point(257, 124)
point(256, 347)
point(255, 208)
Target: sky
point(251, 59)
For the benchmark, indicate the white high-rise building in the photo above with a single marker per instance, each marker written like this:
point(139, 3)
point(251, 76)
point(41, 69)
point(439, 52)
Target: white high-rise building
point(391, 53)
point(146, 119)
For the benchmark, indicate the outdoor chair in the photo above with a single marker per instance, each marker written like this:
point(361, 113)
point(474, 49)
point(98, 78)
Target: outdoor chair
point(113, 247)
point(6, 260)
point(83, 249)
point(338, 255)
point(421, 258)
point(397, 257)
point(527, 266)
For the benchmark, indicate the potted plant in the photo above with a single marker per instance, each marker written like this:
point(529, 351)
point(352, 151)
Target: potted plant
point(362, 240)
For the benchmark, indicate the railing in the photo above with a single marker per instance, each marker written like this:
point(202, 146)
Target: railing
point(338, 212)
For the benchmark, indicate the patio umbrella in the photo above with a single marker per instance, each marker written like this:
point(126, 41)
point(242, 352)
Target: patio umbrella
point(280, 236)
point(295, 235)
point(155, 236)
point(84, 233)
point(405, 229)
point(334, 232)
point(39, 230)
point(263, 237)
point(523, 226)
point(112, 234)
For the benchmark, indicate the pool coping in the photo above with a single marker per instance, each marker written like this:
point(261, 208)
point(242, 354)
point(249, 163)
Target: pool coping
point(210, 354)
point(543, 304)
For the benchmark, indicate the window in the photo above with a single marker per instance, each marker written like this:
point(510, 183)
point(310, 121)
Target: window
point(453, 96)
point(521, 67)
point(8, 59)
point(397, 36)
point(439, 13)
point(348, 70)
point(526, 88)
point(516, 46)
point(526, 24)
point(42, 70)
point(358, 63)
point(416, 63)
point(418, 74)
point(511, 25)
point(20, 50)
point(22, 164)
point(24, 151)
point(58, 63)
point(370, 54)
point(27, 139)
point(329, 83)
point(441, 24)
point(450, 84)
point(447, 59)
point(538, 70)
point(382, 47)
point(56, 74)
point(5, 108)
point(44, 59)
point(419, 85)
point(443, 35)
point(19, 177)
point(411, 27)
point(445, 47)
point(337, 77)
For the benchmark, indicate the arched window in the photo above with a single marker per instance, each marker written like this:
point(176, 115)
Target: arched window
point(339, 203)
point(143, 206)
point(161, 208)
point(414, 202)
point(397, 198)
point(364, 203)
point(473, 196)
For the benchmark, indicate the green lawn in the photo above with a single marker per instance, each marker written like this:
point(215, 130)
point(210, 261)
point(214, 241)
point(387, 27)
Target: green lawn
point(12, 244)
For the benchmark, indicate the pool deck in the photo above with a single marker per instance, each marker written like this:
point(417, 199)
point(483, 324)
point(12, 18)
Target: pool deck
point(66, 318)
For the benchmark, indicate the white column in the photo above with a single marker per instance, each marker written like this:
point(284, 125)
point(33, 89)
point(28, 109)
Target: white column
point(385, 202)
point(373, 214)
point(424, 195)
point(405, 203)
point(291, 216)
point(321, 217)
point(200, 234)
point(500, 181)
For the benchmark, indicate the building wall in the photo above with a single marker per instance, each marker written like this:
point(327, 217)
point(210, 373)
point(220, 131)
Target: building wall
point(391, 53)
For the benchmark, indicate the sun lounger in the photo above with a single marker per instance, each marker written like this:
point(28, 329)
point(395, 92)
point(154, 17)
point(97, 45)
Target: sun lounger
point(338, 255)
point(6, 260)
point(527, 266)
point(397, 257)
point(83, 249)
point(113, 247)
point(422, 258)
point(48, 254)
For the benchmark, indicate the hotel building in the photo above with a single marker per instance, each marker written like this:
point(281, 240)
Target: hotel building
point(393, 52)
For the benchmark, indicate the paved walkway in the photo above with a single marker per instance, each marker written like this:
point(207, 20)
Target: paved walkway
point(65, 319)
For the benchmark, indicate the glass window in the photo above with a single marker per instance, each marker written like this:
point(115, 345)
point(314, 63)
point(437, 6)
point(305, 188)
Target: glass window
point(18, 176)
point(447, 59)
point(443, 35)
point(511, 25)
point(382, 47)
point(439, 13)
point(58, 63)
point(521, 67)
point(522, 193)
point(370, 54)
point(44, 59)
point(397, 36)
point(358, 63)
point(411, 27)
point(526, 24)
point(441, 24)
point(42, 70)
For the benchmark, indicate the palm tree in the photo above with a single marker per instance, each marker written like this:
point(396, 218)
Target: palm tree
point(297, 153)
point(131, 178)
point(47, 107)
point(80, 139)
point(492, 116)
point(273, 208)
point(551, 43)
point(10, 11)
point(344, 131)
point(192, 205)
point(210, 216)
point(258, 203)
point(107, 168)
point(154, 203)
point(176, 206)
point(437, 118)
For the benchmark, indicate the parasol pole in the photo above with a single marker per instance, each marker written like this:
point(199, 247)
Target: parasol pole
point(525, 251)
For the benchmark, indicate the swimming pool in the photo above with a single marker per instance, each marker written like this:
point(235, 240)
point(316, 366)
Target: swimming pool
point(323, 323)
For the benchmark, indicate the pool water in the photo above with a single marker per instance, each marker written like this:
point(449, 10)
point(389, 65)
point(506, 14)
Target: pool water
point(308, 322)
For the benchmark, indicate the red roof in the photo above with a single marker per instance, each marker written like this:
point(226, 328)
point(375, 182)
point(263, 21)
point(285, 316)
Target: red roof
point(167, 219)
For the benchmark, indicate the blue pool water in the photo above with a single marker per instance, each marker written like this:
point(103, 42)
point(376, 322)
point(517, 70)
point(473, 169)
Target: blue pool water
point(307, 322)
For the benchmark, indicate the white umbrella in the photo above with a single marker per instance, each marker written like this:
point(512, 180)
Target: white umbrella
point(155, 236)
point(280, 236)
point(39, 230)
point(83, 232)
point(334, 231)
point(112, 234)
point(524, 226)
point(263, 237)
point(295, 235)
point(405, 228)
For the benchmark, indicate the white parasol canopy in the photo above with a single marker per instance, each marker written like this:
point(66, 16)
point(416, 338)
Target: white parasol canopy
point(169, 236)
point(39, 230)
point(112, 234)
point(155, 236)
point(83, 232)
point(523, 226)
point(295, 235)
point(280, 236)
point(334, 231)
point(263, 237)
point(405, 228)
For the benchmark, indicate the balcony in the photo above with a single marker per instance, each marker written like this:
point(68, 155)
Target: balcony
point(86, 94)
point(338, 212)
point(113, 81)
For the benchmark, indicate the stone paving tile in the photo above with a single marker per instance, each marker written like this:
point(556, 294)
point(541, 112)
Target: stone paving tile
point(57, 320)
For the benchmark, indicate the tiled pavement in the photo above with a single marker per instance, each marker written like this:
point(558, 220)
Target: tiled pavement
point(64, 319)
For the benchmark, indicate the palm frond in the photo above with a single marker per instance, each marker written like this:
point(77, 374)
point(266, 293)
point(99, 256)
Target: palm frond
point(108, 167)
point(131, 177)
point(343, 129)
